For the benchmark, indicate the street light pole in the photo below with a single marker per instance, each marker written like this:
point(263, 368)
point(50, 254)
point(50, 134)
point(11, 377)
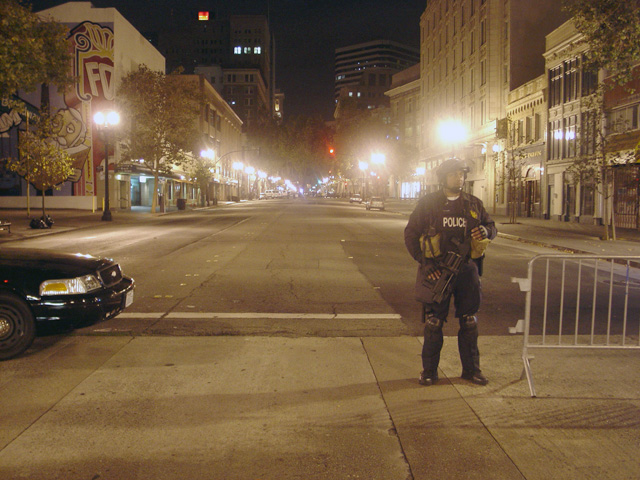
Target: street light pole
point(106, 121)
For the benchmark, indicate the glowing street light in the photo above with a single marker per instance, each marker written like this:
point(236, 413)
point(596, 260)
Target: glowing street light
point(106, 122)
point(208, 154)
point(452, 132)
point(378, 158)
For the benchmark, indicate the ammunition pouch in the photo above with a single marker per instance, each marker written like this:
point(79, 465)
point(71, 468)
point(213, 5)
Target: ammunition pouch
point(430, 245)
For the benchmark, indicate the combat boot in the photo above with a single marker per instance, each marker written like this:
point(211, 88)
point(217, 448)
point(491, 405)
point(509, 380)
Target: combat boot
point(474, 377)
point(427, 379)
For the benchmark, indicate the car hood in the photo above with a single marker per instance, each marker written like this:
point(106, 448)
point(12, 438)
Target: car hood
point(50, 263)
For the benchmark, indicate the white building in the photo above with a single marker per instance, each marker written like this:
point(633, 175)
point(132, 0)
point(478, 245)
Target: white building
point(106, 48)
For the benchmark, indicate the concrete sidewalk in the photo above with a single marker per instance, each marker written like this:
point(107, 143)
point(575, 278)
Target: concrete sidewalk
point(311, 408)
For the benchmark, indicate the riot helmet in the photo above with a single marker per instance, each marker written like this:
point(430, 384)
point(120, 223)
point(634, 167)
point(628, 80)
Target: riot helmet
point(448, 166)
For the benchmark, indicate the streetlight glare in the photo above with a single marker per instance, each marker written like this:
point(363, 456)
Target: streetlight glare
point(106, 119)
point(99, 118)
point(452, 131)
point(378, 158)
point(363, 165)
point(113, 118)
point(208, 154)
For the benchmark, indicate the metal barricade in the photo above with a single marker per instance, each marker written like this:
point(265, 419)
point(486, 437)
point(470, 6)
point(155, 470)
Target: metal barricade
point(580, 301)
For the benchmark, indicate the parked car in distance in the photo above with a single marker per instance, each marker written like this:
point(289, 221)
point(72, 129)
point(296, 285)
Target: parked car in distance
point(375, 202)
point(355, 198)
point(39, 287)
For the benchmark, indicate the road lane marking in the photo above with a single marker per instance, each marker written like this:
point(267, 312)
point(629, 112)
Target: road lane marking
point(253, 315)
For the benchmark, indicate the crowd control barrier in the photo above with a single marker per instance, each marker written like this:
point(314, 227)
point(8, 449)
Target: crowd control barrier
point(580, 301)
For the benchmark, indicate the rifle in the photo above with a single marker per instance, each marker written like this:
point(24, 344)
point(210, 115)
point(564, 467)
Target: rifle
point(449, 268)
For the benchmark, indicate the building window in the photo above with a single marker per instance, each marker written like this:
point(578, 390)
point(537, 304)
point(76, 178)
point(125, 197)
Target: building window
point(237, 50)
point(622, 120)
point(257, 50)
point(555, 86)
point(483, 72)
point(589, 82)
point(587, 198)
point(537, 127)
point(555, 142)
point(570, 80)
point(570, 136)
point(483, 31)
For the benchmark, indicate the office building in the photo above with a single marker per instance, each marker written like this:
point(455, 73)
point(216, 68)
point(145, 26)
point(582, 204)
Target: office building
point(363, 72)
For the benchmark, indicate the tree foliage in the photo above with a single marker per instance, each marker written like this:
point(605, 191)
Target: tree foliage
point(42, 162)
point(33, 50)
point(296, 149)
point(160, 121)
point(611, 28)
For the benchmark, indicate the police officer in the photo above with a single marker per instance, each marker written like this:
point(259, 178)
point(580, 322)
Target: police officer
point(451, 220)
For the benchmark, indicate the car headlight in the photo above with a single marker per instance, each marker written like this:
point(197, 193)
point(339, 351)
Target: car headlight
point(70, 286)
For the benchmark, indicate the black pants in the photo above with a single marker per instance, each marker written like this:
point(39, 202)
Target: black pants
point(467, 296)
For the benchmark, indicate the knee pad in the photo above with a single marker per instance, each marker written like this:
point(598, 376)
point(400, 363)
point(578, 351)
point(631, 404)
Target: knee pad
point(468, 322)
point(434, 324)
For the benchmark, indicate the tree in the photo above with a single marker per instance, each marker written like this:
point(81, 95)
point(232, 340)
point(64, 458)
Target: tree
point(42, 162)
point(512, 169)
point(297, 148)
point(160, 115)
point(33, 50)
point(611, 29)
point(200, 173)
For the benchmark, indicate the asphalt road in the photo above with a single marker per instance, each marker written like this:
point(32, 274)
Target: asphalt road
point(289, 267)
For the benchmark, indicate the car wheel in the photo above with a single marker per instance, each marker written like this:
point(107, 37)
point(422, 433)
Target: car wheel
point(17, 326)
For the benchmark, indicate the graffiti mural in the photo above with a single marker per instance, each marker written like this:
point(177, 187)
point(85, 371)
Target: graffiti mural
point(93, 66)
point(92, 47)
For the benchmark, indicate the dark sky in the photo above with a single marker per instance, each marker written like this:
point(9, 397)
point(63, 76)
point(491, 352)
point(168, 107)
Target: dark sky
point(307, 32)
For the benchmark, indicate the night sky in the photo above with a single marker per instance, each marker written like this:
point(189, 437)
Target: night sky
point(307, 32)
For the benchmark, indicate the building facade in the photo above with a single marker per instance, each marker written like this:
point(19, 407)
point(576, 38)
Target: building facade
point(520, 157)
point(106, 47)
point(573, 121)
point(363, 72)
point(473, 52)
point(235, 52)
point(404, 97)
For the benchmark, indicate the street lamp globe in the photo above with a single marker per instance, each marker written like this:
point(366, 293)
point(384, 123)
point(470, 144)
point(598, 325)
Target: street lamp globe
point(452, 132)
